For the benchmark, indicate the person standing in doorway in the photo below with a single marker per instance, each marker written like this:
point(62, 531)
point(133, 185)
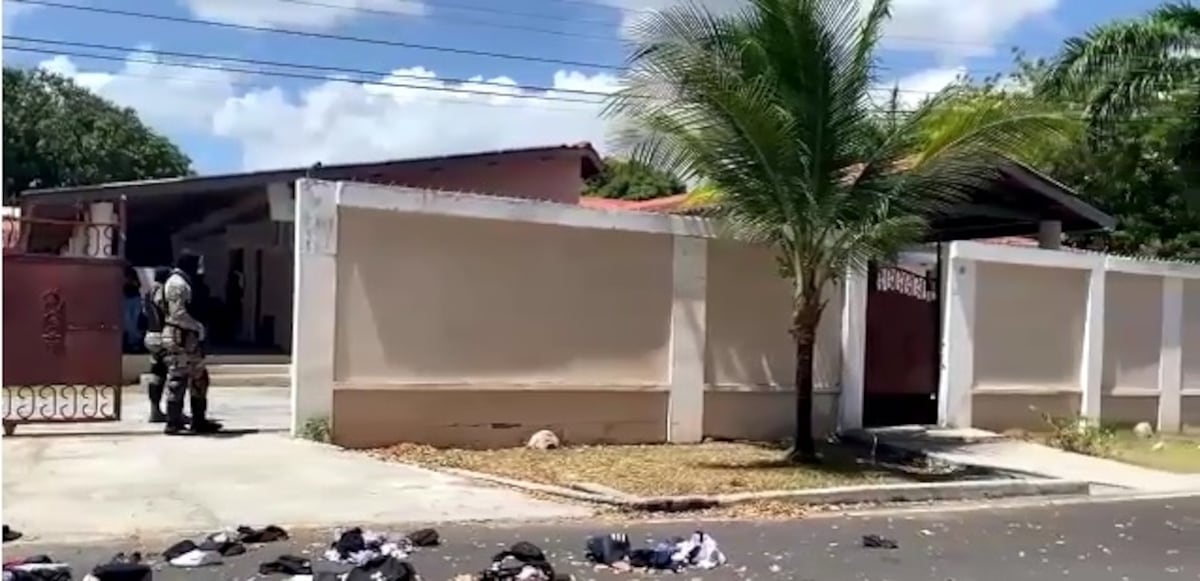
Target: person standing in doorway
point(154, 310)
point(183, 336)
point(131, 293)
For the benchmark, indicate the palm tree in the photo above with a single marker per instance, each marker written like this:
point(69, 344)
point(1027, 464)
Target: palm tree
point(1129, 66)
point(772, 108)
point(1142, 68)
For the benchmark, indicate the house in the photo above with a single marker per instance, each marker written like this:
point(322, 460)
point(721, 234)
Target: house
point(242, 223)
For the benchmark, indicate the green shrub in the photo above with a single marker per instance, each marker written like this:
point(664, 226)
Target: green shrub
point(316, 429)
point(1079, 434)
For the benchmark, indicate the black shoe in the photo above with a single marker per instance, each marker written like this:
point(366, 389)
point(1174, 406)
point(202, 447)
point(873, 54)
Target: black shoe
point(205, 427)
point(175, 421)
point(157, 417)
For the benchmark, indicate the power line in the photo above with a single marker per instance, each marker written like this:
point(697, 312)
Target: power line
point(290, 75)
point(303, 66)
point(622, 10)
point(324, 68)
point(386, 75)
point(318, 35)
point(469, 8)
point(451, 90)
point(250, 85)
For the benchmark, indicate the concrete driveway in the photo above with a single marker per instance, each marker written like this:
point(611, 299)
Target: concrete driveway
point(80, 488)
point(238, 408)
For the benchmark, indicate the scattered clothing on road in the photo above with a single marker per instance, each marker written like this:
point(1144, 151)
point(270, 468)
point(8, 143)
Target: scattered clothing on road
point(122, 567)
point(524, 561)
point(878, 542)
point(37, 568)
point(11, 534)
point(217, 546)
point(614, 550)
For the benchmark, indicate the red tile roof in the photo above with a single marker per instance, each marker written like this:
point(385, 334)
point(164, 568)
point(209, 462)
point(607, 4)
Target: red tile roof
point(666, 205)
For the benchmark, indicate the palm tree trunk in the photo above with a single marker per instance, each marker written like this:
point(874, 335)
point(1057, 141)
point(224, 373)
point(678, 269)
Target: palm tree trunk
point(804, 332)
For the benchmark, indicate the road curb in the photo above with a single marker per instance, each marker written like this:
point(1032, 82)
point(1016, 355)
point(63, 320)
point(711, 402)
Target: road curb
point(863, 494)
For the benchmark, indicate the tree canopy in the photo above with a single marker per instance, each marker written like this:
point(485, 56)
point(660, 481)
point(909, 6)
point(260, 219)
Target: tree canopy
point(57, 133)
point(629, 180)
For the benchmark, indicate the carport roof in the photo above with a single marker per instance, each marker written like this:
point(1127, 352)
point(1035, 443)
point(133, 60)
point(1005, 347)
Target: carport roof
point(590, 163)
point(1012, 207)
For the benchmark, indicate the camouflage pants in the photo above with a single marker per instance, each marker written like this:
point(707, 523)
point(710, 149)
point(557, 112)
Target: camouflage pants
point(185, 366)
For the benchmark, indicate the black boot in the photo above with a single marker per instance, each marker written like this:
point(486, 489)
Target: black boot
point(155, 391)
point(175, 422)
point(200, 422)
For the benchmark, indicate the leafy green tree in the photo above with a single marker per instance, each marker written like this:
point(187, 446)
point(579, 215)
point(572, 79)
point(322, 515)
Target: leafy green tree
point(1138, 68)
point(1128, 164)
point(57, 133)
point(771, 108)
point(630, 180)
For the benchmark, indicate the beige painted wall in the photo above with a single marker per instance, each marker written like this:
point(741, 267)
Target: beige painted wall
point(1021, 411)
point(762, 414)
point(368, 417)
point(1029, 326)
point(440, 300)
point(477, 333)
point(1029, 338)
point(1132, 332)
point(749, 315)
point(1191, 335)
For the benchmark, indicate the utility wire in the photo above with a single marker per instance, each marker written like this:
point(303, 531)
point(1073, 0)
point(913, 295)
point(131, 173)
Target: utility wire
point(316, 67)
point(292, 75)
point(542, 99)
point(438, 15)
point(575, 20)
point(302, 66)
point(318, 35)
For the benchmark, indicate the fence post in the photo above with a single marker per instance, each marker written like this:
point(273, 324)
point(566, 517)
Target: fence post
point(685, 404)
point(1170, 362)
point(957, 379)
point(854, 351)
point(1091, 364)
point(314, 301)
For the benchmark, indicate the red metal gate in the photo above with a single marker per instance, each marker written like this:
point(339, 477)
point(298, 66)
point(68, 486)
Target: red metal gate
point(902, 347)
point(62, 321)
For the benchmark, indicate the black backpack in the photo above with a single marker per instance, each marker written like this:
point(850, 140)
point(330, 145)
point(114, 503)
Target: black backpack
point(156, 316)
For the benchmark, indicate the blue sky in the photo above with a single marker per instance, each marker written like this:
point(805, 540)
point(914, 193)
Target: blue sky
point(228, 120)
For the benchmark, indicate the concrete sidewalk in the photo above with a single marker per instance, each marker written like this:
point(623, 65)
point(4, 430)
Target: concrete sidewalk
point(989, 450)
point(71, 489)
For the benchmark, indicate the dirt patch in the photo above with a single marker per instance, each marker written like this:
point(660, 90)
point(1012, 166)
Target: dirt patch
point(710, 468)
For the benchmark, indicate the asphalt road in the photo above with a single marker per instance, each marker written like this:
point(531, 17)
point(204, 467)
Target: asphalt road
point(1135, 541)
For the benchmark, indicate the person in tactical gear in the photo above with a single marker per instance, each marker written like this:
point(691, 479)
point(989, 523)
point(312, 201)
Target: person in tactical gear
point(154, 309)
point(183, 336)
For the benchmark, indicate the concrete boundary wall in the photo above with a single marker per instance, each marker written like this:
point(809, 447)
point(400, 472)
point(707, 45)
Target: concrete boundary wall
point(1108, 338)
point(671, 369)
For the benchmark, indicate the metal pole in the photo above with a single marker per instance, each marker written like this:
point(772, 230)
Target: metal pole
point(122, 220)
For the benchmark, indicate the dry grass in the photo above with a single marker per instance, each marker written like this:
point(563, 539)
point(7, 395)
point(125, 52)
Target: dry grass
point(651, 470)
point(1172, 453)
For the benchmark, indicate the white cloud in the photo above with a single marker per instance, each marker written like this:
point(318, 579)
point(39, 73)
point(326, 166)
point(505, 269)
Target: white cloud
point(916, 87)
point(342, 122)
point(166, 97)
point(310, 14)
point(953, 29)
point(396, 117)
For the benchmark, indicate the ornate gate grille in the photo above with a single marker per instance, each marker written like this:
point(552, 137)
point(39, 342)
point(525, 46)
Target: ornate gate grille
point(62, 321)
